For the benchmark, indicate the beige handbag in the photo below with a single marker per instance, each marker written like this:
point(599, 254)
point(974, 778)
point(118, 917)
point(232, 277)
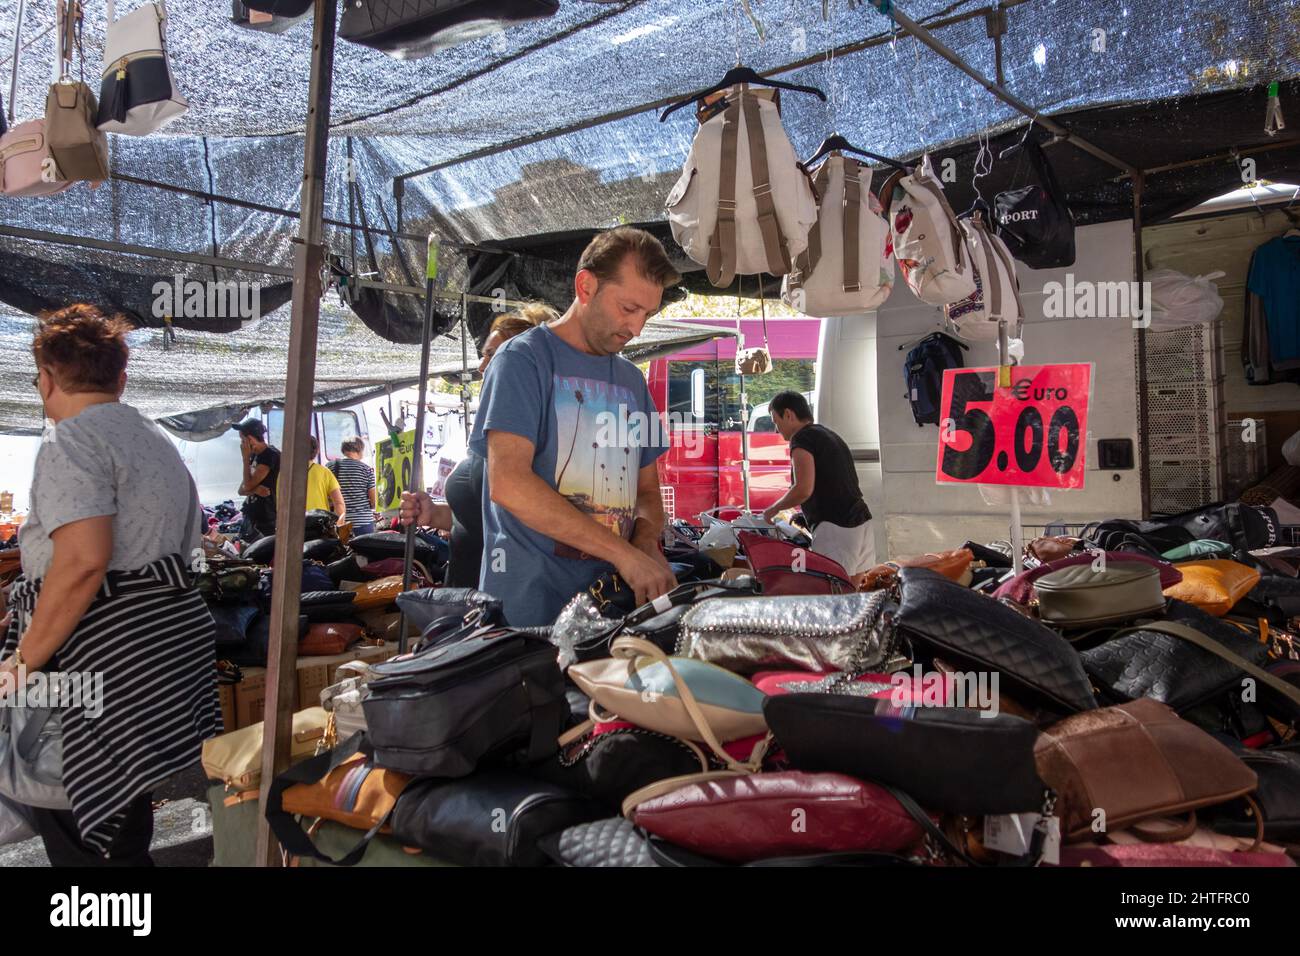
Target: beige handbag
point(1079, 595)
point(236, 758)
point(79, 149)
point(677, 696)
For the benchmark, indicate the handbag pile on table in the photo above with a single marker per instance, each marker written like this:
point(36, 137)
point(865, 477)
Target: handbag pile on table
point(1130, 699)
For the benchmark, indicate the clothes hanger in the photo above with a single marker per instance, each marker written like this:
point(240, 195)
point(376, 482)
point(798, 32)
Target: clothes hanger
point(983, 166)
point(1294, 216)
point(735, 76)
point(837, 143)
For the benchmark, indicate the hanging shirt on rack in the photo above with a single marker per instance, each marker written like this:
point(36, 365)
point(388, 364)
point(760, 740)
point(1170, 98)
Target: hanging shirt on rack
point(1275, 277)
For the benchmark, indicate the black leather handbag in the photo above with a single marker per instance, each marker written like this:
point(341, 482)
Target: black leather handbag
point(949, 759)
point(271, 19)
point(379, 545)
point(1153, 659)
point(973, 631)
point(1278, 796)
point(322, 549)
point(426, 606)
point(1034, 220)
point(409, 29)
point(494, 818)
point(452, 707)
point(609, 766)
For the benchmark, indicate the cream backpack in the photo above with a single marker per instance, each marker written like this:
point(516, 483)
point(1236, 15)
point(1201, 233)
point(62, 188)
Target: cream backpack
point(997, 290)
point(742, 205)
point(847, 267)
point(928, 243)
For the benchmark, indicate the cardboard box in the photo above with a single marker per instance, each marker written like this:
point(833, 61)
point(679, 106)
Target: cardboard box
point(315, 673)
point(226, 696)
point(250, 697)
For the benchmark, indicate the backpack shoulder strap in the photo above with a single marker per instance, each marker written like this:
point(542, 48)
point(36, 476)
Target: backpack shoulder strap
point(806, 261)
point(851, 224)
point(774, 243)
point(721, 266)
point(958, 239)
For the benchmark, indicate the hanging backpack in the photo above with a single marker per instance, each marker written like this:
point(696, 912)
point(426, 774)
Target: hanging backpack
point(1033, 220)
point(743, 205)
point(269, 16)
point(416, 28)
point(923, 370)
point(926, 240)
point(138, 95)
point(26, 166)
point(79, 149)
point(997, 290)
point(847, 267)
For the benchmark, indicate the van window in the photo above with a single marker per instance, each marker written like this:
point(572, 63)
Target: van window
point(339, 427)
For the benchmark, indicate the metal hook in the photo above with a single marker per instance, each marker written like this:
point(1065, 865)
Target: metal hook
point(1023, 139)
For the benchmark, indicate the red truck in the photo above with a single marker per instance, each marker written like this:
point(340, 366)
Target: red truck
point(699, 390)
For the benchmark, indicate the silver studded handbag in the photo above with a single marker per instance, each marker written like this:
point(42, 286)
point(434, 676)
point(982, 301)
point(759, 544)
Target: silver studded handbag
point(851, 633)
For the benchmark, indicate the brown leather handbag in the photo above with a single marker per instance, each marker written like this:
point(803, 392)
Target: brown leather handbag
point(954, 565)
point(1135, 762)
point(1047, 549)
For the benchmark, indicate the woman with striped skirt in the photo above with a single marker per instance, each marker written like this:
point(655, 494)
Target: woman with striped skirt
point(106, 600)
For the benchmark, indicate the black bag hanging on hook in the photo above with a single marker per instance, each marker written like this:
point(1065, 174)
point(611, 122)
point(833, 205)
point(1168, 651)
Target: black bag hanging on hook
point(417, 28)
point(1034, 220)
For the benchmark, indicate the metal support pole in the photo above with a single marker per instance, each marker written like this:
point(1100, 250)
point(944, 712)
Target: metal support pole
point(417, 452)
point(18, 48)
point(464, 365)
point(1017, 530)
point(309, 259)
point(1139, 270)
point(744, 436)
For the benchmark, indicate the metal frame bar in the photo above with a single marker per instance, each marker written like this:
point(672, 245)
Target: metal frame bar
point(309, 258)
point(813, 60)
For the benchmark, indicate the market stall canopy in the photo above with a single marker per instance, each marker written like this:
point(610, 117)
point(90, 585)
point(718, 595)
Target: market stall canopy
point(571, 96)
point(202, 381)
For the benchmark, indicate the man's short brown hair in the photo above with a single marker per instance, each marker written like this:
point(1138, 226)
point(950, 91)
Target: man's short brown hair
point(606, 252)
point(353, 446)
point(525, 318)
point(84, 350)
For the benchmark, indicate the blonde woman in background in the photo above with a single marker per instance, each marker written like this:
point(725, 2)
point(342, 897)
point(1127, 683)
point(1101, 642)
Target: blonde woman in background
point(464, 487)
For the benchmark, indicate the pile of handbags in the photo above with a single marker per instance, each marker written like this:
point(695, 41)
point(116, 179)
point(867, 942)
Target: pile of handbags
point(1102, 708)
point(349, 591)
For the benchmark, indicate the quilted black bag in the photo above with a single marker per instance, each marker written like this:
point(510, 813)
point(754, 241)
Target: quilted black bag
point(948, 758)
point(613, 841)
point(973, 631)
point(408, 29)
point(494, 818)
point(1034, 220)
point(451, 707)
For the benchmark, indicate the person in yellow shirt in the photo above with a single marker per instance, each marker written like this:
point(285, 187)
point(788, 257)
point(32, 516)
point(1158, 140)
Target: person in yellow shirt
point(323, 491)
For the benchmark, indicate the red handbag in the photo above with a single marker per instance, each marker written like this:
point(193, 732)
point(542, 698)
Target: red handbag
point(328, 639)
point(756, 816)
point(783, 568)
point(775, 683)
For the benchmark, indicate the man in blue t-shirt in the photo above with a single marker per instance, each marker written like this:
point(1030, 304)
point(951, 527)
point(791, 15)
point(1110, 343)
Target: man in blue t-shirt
point(571, 436)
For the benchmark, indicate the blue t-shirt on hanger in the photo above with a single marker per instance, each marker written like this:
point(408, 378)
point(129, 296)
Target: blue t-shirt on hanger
point(589, 419)
point(1275, 278)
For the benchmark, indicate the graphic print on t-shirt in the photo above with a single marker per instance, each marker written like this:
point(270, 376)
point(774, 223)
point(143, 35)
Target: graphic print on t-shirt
point(597, 475)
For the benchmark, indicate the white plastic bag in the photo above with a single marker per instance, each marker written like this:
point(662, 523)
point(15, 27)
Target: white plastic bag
point(1178, 299)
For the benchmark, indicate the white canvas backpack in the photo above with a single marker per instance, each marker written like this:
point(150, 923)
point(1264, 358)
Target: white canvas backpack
point(927, 242)
point(997, 290)
point(742, 205)
point(847, 267)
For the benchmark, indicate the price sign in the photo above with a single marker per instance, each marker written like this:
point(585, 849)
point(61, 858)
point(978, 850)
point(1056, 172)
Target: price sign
point(393, 470)
point(1032, 433)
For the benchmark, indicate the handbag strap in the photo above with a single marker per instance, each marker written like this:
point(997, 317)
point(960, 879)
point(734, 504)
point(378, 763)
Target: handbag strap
point(1178, 833)
point(312, 770)
point(852, 210)
point(634, 647)
point(671, 784)
point(1205, 642)
point(774, 244)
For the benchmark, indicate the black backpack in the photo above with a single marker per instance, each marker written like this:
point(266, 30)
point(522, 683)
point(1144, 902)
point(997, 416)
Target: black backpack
point(923, 369)
point(1033, 220)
